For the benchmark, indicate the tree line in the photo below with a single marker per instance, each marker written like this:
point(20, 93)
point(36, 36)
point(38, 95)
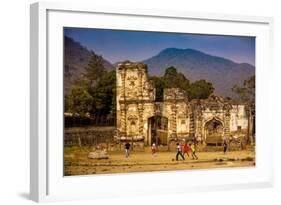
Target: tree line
point(200, 89)
point(94, 92)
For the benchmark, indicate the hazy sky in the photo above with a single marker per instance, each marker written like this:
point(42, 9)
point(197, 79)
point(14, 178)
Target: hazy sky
point(117, 45)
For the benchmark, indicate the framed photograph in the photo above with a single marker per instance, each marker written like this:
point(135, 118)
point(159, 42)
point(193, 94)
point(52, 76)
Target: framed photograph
point(131, 102)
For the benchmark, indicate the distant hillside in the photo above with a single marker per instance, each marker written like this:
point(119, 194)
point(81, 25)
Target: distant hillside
point(76, 57)
point(223, 73)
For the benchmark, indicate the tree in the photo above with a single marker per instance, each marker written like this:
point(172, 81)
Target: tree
point(78, 101)
point(104, 95)
point(159, 86)
point(246, 92)
point(82, 81)
point(173, 79)
point(94, 69)
point(200, 89)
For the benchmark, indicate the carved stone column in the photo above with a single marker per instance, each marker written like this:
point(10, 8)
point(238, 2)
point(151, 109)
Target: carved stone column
point(123, 118)
point(199, 126)
point(174, 118)
point(123, 77)
point(227, 125)
point(191, 124)
point(140, 84)
point(140, 110)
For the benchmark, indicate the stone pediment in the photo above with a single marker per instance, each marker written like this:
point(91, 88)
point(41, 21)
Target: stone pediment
point(174, 94)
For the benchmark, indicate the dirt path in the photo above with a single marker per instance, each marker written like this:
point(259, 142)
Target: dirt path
point(77, 162)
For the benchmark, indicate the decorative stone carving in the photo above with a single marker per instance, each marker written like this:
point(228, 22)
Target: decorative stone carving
point(136, 105)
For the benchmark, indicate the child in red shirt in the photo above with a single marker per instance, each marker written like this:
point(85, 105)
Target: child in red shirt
point(186, 149)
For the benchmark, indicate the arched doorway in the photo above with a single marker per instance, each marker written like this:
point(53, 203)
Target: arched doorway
point(214, 131)
point(157, 130)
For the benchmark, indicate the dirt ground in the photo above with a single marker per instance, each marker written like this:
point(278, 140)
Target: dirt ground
point(76, 161)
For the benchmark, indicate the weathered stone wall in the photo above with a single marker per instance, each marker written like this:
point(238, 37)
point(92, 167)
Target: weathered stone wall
point(88, 136)
point(238, 117)
point(176, 109)
point(135, 99)
point(186, 119)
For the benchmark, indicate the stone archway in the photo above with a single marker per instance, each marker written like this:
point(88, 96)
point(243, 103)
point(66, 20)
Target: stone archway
point(157, 130)
point(213, 132)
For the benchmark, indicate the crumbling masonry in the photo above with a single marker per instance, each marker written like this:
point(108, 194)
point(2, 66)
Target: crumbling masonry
point(140, 118)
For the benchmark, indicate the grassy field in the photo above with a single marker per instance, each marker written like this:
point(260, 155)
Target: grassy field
point(76, 161)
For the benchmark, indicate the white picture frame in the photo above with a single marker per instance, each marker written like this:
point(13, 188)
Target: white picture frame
point(47, 182)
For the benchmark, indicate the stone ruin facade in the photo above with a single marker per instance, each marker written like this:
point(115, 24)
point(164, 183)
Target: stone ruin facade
point(141, 119)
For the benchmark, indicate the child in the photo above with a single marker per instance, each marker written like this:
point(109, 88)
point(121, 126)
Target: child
point(179, 152)
point(186, 149)
point(127, 149)
point(153, 149)
point(192, 147)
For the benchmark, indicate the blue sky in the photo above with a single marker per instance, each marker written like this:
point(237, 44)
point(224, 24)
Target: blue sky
point(117, 45)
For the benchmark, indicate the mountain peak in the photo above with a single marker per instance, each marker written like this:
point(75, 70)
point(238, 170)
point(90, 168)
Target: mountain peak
point(196, 65)
point(179, 50)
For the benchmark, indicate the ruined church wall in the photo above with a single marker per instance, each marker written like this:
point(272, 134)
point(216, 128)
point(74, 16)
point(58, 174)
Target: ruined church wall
point(136, 105)
point(238, 118)
point(176, 109)
point(149, 111)
point(132, 120)
point(167, 112)
point(177, 118)
point(182, 119)
point(135, 98)
point(208, 115)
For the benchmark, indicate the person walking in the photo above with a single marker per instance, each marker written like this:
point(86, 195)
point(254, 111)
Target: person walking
point(193, 150)
point(186, 149)
point(153, 149)
point(179, 152)
point(127, 149)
